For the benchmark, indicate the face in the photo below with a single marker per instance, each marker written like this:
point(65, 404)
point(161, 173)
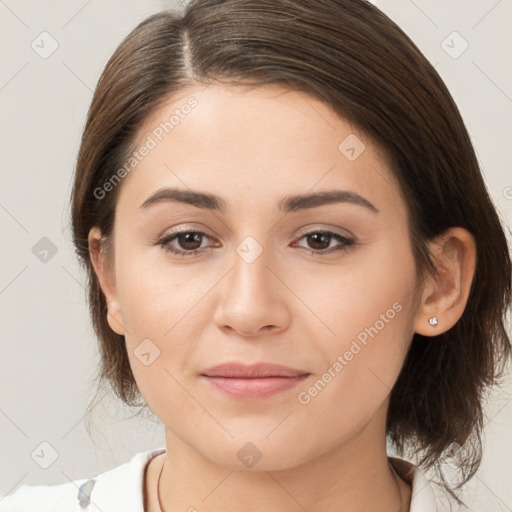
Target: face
point(325, 287)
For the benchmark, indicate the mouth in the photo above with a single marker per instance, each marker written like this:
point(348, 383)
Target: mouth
point(252, 382)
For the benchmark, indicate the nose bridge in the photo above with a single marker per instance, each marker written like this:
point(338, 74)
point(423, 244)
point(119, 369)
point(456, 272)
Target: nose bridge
point(251, 277)
point(251, 297)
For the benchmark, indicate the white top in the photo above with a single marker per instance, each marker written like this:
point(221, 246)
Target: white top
point(121, 488)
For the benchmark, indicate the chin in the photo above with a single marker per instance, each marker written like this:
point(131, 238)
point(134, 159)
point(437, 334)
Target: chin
point(261, 454)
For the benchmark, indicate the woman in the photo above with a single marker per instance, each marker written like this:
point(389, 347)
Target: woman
point(292, 259)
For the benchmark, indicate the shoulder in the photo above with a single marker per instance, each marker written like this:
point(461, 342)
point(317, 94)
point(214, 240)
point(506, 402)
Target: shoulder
point(117, 489)
point(41, 498)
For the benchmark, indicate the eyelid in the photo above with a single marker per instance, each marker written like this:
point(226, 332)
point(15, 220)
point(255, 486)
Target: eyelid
point(179, 229)
point(305, 230)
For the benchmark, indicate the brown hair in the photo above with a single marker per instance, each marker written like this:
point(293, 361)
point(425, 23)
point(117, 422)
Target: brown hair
point(357, 61)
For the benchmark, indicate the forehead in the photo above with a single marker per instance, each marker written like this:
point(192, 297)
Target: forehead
point(255, 144)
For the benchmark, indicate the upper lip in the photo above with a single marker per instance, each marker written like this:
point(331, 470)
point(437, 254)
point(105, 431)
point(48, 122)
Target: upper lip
point(253, 371)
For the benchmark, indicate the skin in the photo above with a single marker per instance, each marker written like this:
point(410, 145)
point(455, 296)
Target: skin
point(288, 306)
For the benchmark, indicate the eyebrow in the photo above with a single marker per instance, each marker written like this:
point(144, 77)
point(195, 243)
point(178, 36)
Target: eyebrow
point(287, 204)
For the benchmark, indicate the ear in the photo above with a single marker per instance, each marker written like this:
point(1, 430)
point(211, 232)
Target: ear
point(106, 278)
point(446, 296)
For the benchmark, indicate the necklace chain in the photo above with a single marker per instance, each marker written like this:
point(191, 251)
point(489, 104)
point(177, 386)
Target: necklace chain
point(158, 487)
point(397, 477)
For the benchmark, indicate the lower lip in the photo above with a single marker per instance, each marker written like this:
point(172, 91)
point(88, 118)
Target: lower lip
point(253, 389)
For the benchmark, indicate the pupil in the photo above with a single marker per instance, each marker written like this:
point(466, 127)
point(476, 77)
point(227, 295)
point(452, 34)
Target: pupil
point(319, 238)
point(188, 238)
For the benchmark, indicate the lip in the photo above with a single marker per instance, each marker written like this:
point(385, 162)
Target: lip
point(253, 382)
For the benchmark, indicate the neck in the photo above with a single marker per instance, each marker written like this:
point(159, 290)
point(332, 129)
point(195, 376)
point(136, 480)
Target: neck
point(355, 476)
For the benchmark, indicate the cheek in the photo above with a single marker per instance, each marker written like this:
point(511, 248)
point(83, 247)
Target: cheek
point(163, 315)
point(361, 369)
point(370, 310)
point(153, 295)
point(370, 290)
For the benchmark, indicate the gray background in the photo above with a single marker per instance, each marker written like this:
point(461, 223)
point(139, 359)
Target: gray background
point(49, 351)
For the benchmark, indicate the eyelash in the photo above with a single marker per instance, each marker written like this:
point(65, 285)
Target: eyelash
point(164, 242)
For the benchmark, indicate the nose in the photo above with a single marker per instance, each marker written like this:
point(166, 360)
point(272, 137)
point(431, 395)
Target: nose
point(253, 298)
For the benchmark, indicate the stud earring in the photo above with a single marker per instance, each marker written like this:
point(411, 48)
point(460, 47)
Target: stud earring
point(433, 321)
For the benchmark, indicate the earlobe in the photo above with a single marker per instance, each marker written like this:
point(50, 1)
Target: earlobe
point(445, 296)
point(106, 279)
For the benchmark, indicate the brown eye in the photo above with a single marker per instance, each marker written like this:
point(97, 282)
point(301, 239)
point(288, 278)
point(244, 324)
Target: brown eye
point(189, 241)
point(319, 242)
point(186, 243)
